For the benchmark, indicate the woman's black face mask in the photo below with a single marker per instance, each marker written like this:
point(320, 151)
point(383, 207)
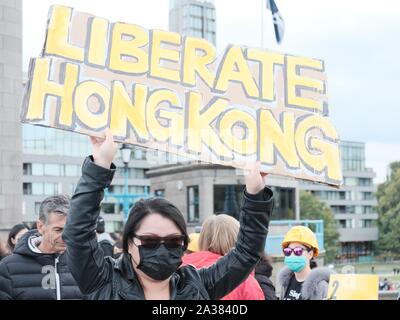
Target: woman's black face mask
point(160, 257)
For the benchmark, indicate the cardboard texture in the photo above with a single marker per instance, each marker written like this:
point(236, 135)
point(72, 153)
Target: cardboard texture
point(165, 91)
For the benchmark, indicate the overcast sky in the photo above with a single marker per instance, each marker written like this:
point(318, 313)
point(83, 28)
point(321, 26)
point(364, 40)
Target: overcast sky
point(357, 39)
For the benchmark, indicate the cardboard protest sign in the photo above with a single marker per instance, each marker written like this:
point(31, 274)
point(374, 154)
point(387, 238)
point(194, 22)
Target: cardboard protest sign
point(165, 91)
point(353, 287)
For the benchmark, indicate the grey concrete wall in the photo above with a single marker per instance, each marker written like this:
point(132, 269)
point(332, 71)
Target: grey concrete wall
point(10, 127)
point(361, 234)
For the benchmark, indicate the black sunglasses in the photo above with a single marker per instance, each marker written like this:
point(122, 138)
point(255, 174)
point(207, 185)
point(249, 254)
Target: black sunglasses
point(153, 242)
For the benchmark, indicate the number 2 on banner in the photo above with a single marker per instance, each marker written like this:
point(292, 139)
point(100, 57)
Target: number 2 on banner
point(353, 287)
point(335, 288)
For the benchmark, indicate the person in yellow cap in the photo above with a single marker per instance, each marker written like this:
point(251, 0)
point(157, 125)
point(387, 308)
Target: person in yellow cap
point(300, 279)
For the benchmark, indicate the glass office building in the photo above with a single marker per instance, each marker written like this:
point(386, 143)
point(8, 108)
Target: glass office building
point(194, 18)
point(353, 204)
point(52, 161)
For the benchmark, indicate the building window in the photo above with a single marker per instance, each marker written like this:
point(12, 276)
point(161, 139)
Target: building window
point(37, 189)
point(108, 208)
point(366, 223)
point(338, 209)
point(159, 193)
point(367, 196)
point(368, 209)
point(342, 224)
point(346, 223)
point(227, 199)
point(137, 190)
point(50, 189)
point(51, 169)
point(27, 169)
point(136, 173)
point(364, 182)
point(351, 250)
point(37, 169)
point(112, 226)
point(40, 189)
point(71, 170)
point(193, 203)
point(37, 208)
point(196, 10)
point(27, 188)
point(350, 181)
point(284, 203)
point(186, 10)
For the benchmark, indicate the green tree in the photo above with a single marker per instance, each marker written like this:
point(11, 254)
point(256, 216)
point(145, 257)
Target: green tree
point(313, 208)
point(388, 196)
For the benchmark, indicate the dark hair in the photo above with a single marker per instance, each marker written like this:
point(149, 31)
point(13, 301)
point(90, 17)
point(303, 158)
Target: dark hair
point(118, 244)
point(313, 263)
point(116, 235)
point(101, 225)
point(143, 208)
point(13, 232)
point(264, 265)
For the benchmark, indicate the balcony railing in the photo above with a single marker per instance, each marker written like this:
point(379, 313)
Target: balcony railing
point(278, 229)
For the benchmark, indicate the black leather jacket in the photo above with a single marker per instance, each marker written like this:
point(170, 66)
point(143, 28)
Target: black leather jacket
point(105, 278)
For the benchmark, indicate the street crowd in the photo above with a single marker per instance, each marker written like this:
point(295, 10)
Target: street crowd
point(68, 254)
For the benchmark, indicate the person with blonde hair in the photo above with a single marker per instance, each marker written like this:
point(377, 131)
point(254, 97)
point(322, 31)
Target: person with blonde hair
point(218, 237)
point(193, 245)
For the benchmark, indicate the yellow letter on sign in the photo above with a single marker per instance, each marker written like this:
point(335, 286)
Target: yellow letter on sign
point(199, 129)
point(124, 111)
point(197, 64)
point(277, 136)
point(127, 40)
point(41, 87)
point(98, 42)
point(316, 153)
point(92, 119)
point(294, 80)
point(267, 60)
point(235, 68)
point(58, 35)
point(174, 129)
point(158, 54)
point(248, 144)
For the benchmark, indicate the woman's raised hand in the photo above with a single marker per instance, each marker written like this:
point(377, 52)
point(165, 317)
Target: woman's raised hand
point(255, 179)
point(104, 150)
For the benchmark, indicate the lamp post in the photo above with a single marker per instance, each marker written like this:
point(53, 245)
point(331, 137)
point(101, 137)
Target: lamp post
point(126, 151)
point(126, 198)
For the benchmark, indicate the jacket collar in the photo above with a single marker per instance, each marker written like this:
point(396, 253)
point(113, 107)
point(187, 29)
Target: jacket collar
point(310, 284)
point(132, 289)
point(29, 243)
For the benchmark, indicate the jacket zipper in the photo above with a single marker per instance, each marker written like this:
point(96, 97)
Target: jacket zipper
point(57, 279)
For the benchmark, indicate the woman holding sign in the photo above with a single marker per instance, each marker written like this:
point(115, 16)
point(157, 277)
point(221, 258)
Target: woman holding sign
point(154, 240)
point(301, 279)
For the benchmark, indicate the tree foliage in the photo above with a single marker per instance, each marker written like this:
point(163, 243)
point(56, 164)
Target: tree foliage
point(313, 208)
point(388, 196)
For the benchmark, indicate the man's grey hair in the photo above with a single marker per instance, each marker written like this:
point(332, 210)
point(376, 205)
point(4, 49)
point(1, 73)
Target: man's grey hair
point(55, 204)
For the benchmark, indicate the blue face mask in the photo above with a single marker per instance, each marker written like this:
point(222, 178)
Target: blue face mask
point(295, 263)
